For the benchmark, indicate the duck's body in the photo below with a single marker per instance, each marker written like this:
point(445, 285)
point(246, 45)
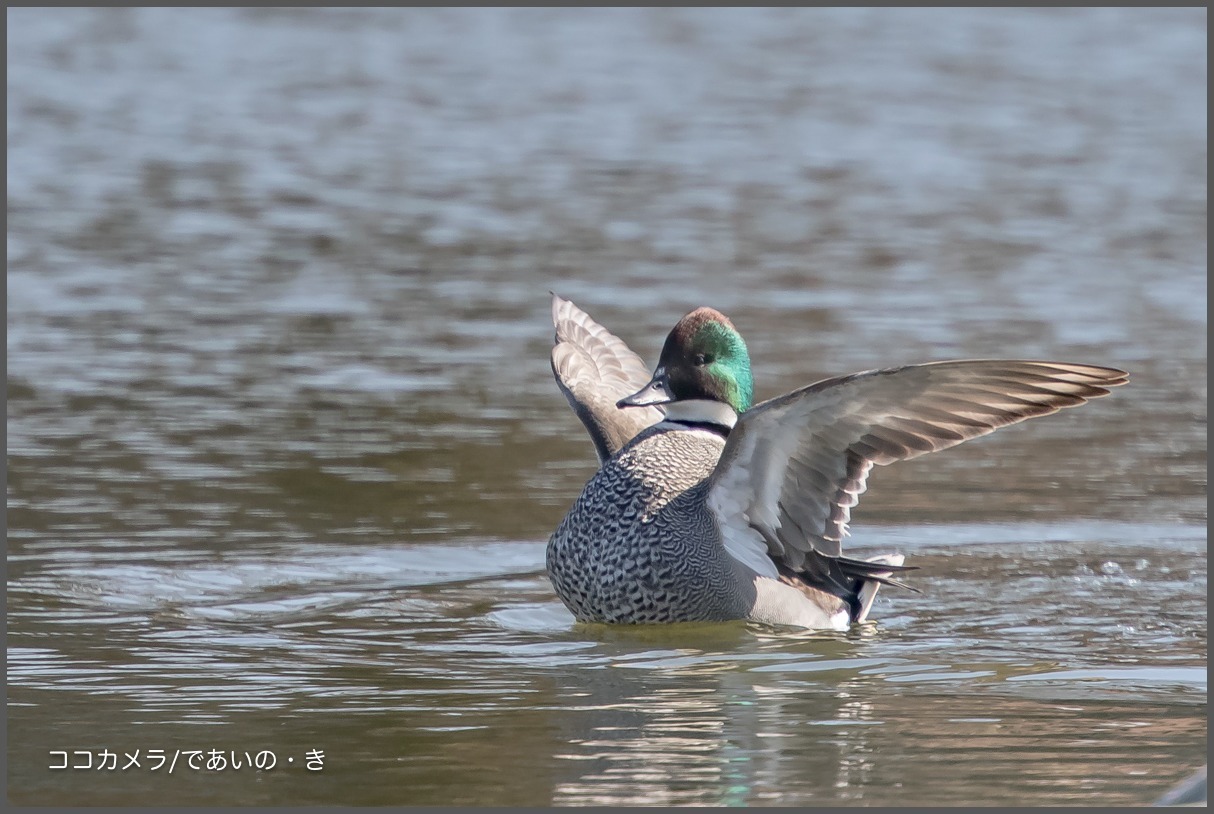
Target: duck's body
point(706, 509)
point(640, 544)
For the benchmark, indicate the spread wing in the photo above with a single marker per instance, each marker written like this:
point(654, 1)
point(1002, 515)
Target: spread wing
point(595, 369)
point(794, 466)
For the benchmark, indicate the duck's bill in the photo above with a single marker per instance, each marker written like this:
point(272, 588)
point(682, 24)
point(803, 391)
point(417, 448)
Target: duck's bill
point(656, 392)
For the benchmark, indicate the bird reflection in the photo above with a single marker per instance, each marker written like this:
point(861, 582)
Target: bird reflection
point(681, 727)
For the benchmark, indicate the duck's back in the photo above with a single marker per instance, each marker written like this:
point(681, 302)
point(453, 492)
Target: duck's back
point(639, 544)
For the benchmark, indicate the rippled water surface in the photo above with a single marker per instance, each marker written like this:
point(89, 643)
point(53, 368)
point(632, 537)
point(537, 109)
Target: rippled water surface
point(284, 448)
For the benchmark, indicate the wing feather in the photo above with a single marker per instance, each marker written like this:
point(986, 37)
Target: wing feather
point(793, 467)
point(595, 369)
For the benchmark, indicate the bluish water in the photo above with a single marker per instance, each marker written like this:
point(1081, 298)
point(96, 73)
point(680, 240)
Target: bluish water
point(284, 447)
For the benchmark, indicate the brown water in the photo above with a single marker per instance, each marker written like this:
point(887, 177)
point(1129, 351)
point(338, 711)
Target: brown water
point(284, 448)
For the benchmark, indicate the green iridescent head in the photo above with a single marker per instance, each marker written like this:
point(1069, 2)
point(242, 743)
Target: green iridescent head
point(704, 358)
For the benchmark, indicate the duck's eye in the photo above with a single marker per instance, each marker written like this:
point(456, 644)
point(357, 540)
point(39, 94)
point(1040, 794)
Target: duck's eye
point(701, 360)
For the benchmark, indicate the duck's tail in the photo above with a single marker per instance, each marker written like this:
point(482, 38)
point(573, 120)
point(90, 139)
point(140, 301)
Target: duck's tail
point(871, 574)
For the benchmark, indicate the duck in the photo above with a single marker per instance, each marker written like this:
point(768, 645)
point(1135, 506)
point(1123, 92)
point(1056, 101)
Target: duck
point(707, 507)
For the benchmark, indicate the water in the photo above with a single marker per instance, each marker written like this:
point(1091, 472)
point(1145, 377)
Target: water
point(284, 447)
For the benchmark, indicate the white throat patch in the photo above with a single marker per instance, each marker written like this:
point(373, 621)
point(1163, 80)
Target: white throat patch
point(701, 411)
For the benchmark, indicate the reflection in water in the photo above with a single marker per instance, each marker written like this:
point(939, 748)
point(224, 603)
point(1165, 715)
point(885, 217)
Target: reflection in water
point(680, 727)
point(718, 736)
point(284, 447)
point(399, 659)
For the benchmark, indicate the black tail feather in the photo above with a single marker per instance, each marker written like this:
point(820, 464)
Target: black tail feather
point(874, 571)
point(844, 577)
point(893, 582)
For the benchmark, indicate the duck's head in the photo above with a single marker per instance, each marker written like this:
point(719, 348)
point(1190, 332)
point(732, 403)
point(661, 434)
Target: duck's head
point(704, 360)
